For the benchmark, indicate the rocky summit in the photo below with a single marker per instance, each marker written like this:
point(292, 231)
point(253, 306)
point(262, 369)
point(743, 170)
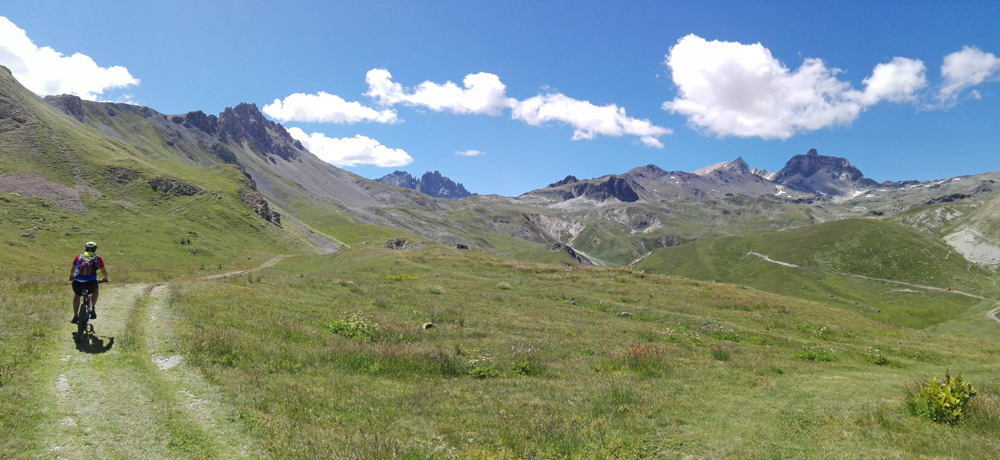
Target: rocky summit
point(431, 183)
point(822, 175)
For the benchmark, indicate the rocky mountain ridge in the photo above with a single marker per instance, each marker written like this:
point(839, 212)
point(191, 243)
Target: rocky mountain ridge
point(431, 183)
point(612, 219)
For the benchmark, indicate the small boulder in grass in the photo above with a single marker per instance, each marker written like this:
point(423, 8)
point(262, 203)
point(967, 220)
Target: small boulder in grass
point(625, 313)
point(428, 326)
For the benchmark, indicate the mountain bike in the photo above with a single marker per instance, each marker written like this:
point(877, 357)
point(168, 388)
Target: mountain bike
point(83, 326)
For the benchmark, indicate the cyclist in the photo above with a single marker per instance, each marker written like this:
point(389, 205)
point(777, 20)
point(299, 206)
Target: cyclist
point(83, 274)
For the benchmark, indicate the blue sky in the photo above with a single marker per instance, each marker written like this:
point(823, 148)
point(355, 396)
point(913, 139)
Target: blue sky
point(546, 89)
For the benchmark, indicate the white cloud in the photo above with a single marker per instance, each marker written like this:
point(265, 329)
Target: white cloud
point(45, 71)
point(897, 81)
point(351, 151)
point(588, 120)
point(729, 88)
point(325, 108)
point(470, 153)
point(964, 69)
point(483, 93)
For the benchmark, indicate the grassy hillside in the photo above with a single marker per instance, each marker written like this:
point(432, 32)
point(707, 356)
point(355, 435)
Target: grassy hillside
point(325, 356)
point(867, 247)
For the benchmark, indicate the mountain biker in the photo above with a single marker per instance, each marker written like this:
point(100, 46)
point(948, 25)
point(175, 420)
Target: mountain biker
point(83, 274)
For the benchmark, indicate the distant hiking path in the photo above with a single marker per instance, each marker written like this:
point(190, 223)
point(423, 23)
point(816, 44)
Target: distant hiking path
point(129, 394)
point(992, 314)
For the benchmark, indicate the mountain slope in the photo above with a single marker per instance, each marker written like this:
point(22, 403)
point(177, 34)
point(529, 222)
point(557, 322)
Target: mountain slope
point(866, 247)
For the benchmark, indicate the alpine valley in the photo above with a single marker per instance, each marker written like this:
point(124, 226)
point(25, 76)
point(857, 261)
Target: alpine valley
point(728, 312)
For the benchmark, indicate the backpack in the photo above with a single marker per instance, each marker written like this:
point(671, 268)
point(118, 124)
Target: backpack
point(85, 265)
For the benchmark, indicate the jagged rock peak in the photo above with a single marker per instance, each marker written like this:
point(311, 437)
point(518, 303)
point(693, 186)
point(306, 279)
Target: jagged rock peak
point(568, 180)
point(399, 179)
point(737, 166)
point(245, 123)
point(434, 184)
point(431, 183)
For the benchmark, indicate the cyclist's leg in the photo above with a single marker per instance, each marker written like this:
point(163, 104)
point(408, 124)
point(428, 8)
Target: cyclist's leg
point(93, 300)
point(76, 305)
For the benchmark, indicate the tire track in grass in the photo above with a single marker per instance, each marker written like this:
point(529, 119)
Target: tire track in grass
point(242, 272)
point(202, 402)
point(109, 399)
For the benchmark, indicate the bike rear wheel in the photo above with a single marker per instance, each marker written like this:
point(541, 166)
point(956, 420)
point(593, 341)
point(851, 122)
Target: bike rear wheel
point(82, 318)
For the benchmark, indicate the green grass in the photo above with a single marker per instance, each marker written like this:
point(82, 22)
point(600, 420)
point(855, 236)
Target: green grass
point(699, 370)
point(860, 246)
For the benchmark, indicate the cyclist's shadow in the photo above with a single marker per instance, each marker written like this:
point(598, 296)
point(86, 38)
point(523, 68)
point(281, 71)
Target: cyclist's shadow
point(93, 344)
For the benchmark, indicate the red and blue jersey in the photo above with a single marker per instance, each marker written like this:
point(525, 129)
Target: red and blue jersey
point(97, 263)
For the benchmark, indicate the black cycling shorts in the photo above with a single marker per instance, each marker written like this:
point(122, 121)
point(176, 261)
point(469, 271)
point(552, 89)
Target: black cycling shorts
point(79, 286)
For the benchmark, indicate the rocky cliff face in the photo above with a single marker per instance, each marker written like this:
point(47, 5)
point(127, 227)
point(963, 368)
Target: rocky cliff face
point(822, 175)
point(616, 187)
point(431, 183)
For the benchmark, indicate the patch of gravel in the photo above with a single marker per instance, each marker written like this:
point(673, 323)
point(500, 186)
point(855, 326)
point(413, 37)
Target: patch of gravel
point(167, 362)
point(975, 248)
point(62, 385)
point(69, 421)
point(35, 186)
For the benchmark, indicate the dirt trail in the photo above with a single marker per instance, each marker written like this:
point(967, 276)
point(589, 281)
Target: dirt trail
point(242, 272)
point(128, 394)
point(992, 314)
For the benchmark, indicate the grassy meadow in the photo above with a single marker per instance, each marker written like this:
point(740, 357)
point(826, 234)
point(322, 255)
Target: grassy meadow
point(325, 357)
point(865, 247)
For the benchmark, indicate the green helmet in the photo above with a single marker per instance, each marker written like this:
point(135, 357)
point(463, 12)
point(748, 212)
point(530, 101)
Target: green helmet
point(91, 246)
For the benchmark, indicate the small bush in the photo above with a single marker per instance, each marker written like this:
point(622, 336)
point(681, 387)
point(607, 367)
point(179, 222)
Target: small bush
point(525, 366)
point(942, 402)
point(725, 335)
point(504, 286)
point(356, 327)
point(810, 328)
point(874, 356)
point(484, 372)
point(816, 354)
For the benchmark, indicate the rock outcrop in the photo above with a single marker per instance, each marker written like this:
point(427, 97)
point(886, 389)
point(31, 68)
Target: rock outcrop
point(568, 180)
point(169, 186)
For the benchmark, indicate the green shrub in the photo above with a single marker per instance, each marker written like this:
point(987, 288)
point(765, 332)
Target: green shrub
point(484, 372)
point(725, 335)
point(816, 354)
point(874, 356)
point(525, 366)
point(942, 402)
point(810, 328)
point(504, 286)
point(356, 327)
